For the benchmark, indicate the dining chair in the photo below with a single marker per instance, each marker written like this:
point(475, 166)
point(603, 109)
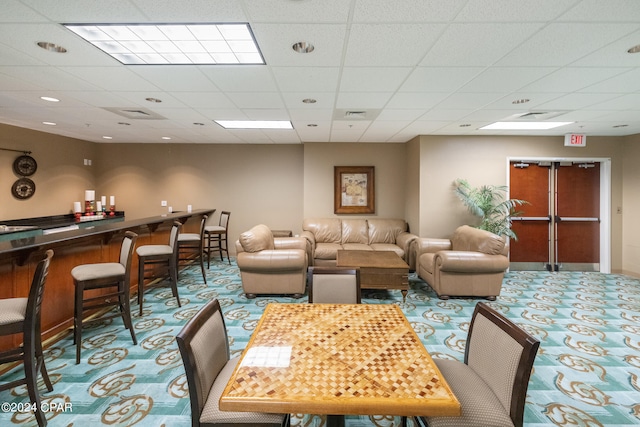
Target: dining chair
point(334, 285)
point(163, 256)
point(191, 245)
point(204, 348)
point(23, 316)
point(217, 237)
point(491, 384)
point(113, 279)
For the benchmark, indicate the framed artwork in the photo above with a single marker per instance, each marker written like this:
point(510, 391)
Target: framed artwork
point(354, 190)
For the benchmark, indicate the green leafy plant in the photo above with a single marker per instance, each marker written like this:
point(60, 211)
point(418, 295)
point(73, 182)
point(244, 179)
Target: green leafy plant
point(490, 203)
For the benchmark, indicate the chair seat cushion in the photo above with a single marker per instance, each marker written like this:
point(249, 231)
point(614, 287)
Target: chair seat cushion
point(97, 271)
point(211, 412)
point(151, 250)
point(480, 406)
point(188, 237)
point(214, 229)
point(12, 310)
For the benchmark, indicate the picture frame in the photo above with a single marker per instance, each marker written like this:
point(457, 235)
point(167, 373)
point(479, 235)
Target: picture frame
point(354, 190)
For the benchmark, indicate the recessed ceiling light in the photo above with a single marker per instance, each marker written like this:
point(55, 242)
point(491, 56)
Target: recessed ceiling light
point(524, 125)
point(50, 99)
point(465, 125)
point(620, 126)
point(312, 125)
point(634, 49)
point(124, 124)
point(198, 124)
point(107, 137)
point(177, 44)
point(309, 101)
point(166, 138)
point(52, 47)
point(303, 47)
point(520, 101)
point(255, 124)
point(49, 123)
point(153, 100)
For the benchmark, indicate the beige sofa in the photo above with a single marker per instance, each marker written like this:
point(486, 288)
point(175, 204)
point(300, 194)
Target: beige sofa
point(470, 264)
point(271, 265)
point(326, 236)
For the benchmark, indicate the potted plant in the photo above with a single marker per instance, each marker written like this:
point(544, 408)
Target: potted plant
point(490, 203)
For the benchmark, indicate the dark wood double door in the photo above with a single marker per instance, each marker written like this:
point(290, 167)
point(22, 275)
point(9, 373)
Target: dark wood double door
point(560, 228)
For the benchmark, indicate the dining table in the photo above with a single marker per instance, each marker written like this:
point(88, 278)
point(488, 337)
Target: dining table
point(337, 360)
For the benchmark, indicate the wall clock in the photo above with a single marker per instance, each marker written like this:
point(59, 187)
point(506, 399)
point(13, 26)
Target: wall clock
point(23, 188)
point(25, 165)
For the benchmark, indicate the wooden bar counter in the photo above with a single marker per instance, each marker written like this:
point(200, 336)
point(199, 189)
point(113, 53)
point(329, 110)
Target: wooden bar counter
point(101, 243)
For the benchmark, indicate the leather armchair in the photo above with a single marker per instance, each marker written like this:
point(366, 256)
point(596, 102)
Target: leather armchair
point(470, 264)
point(271, 265)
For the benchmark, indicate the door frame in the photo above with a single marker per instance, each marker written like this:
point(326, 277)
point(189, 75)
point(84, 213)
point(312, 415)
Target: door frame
point(605, 198)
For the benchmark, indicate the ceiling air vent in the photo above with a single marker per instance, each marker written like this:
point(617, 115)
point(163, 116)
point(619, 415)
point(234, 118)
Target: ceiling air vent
point(535, 116)
point(135, 113)
point(355, 115)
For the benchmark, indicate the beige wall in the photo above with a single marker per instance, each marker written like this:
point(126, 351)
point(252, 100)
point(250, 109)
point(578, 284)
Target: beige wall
point(60, 179)
point(631, 206)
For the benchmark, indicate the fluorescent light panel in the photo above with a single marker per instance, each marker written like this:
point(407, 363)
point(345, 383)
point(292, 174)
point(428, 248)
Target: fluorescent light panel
point(524, 125)
point(177, 44)
point(255, 124)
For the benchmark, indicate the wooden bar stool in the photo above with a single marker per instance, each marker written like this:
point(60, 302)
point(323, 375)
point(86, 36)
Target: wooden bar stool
point(217, 237)
point(190, 244)
point(111, 276)
point(22, 316)
point(159, 255)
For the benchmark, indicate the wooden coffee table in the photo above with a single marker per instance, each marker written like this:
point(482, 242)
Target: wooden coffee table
point(378, 269)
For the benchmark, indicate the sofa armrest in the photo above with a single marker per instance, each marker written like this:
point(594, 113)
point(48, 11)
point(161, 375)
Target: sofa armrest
point(290, 243)
point(404, 240)
point(470, 262)
point(272, 260)
point(427, 244)
point(311, 245)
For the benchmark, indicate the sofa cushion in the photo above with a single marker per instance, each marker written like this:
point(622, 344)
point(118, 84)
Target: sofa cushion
point(385, 230)
point(325, 230)
point(354, 231)
point(259, 238)
point(356, 247)
point(467, 238)
point(327, 250)
point(388, 247)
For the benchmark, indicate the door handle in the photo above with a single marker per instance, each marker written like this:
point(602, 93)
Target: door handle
point(577, 219)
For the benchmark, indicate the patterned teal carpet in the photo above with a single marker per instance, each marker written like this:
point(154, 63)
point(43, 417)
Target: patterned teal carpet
point(586, 373)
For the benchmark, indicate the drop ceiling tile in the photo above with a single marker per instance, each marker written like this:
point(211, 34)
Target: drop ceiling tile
point(176, 78)
point(307, 79)
point(442, 115)
point(375, 79)
point(402, 115)
point(266, 100)
point(53, 79)
point(571, 79)
point(204, 100)
point(574, 101)
point(71, 11)
point(477, 44)
point(416, 100)
point(382, 131)
point(207, 11)
point(276, 41)
point(111, 78)
point(468, 100)
point(241, 78)
point(439, 79)
point(362, 100)
point(535, 100)
point(324, 101)
point(507, 10)
point(311, 11)
point(406, 10)
point(614, 54)
point(560, 44)
point(624, 102)
point(319, 133)
point(311, 116)
point(506, 79)
point(596, 10)
point(384, 44)
point(266, 114)
point(16, 11)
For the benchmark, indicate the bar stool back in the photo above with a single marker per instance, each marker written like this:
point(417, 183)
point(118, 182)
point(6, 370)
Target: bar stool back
point(165, 256)
point(217, 237)
point(22, 316)
point(112, 276)
point(190, 243)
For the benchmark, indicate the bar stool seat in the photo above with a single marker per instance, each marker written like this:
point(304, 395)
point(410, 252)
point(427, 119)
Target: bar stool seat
point(159, 255)
point(22, 316)
point(113, 275)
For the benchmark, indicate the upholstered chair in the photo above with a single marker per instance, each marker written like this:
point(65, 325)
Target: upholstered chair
point(334, 285)
point(217, 237)
point(491, 384)
point(204, 348)
point(191, 245)
point(22, 316)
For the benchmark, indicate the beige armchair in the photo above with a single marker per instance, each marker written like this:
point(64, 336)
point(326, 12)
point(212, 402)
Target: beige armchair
point(470, 264)
point(271, 265)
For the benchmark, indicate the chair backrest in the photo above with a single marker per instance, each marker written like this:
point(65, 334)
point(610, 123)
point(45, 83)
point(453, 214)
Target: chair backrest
point(203, 224)
point(204, 349)
point(331, 285)
point(173, 237)
point(224, 219)
point(502, 354)
point(126, 250)
point(34, 302)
